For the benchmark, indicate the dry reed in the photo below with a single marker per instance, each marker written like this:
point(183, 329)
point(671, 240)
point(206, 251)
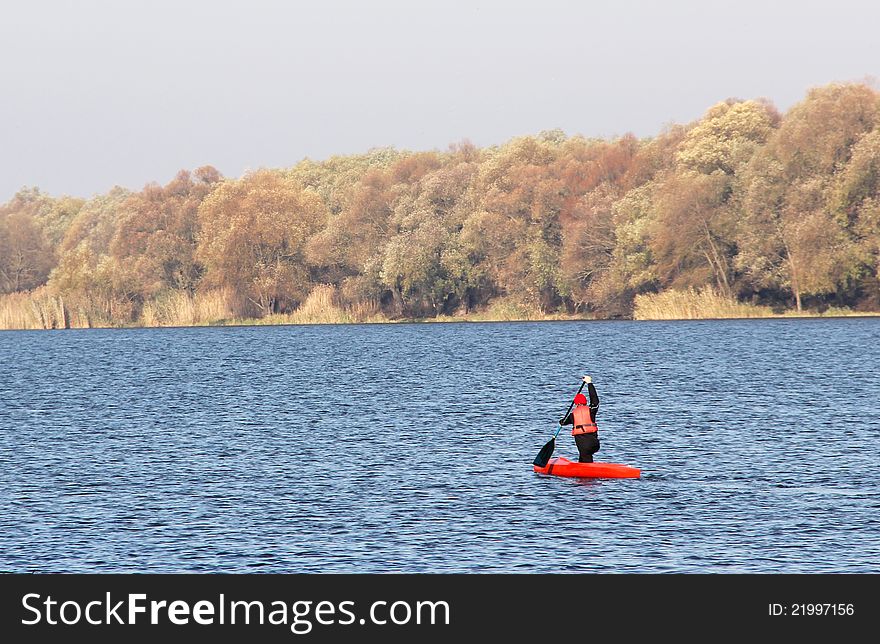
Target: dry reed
point(41, 309)
point(694, 305)
point(180, 308)
point(506, 309)
point(320, 307)
point(37, 309)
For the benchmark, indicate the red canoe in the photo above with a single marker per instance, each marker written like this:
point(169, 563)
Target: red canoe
point(563, 467)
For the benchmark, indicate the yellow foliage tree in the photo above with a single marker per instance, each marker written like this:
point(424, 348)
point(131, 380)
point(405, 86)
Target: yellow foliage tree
point(252, 236)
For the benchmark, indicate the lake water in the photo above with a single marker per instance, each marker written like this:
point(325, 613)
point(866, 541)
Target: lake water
point(408, 448)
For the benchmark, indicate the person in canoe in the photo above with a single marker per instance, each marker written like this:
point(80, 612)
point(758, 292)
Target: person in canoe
point(583, 421)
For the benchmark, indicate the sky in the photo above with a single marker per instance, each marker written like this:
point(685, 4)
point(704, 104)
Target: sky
point(97, 93)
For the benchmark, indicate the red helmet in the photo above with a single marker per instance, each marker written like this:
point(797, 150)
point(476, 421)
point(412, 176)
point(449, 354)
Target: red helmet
point(580, 399)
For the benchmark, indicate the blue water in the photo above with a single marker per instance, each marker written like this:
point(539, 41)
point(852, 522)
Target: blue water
point(408, 448)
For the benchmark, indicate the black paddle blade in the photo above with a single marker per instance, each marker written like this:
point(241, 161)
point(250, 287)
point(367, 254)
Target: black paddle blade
point(546, 452)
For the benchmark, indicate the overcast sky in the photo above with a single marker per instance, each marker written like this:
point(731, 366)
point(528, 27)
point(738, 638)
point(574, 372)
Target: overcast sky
point(101, 93)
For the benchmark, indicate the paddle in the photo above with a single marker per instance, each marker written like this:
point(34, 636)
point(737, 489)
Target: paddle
point(546, 452)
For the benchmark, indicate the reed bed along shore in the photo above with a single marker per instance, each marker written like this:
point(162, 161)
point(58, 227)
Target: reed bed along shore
point(708, 304)
point(694, 305)
point(40, 309)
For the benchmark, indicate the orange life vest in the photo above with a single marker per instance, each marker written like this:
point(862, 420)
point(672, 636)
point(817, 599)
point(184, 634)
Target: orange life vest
point(583, 421)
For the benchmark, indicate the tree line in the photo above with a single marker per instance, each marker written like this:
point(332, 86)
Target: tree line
point(763, 207)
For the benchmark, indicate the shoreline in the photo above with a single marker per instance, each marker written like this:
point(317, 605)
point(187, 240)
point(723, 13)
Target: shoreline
point(469, 319)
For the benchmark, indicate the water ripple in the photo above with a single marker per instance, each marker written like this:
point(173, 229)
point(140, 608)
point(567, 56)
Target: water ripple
point(408, 448)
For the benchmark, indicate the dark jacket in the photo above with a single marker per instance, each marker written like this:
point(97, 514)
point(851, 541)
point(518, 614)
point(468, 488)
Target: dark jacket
point(594, 406)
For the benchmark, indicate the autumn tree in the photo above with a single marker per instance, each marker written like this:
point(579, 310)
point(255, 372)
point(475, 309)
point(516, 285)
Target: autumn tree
point(588, 244)
point(424, 263)
point(594, 174)
point(351, 238)
point(31, 226)
point(755, 204)
point(520, 196)
point(252, 238)
point(53, 215)
point(335, 179)
point(727, 136)
point(25, 254)
point(631, 268)
point(855, 204)
point(155, 238)
point(696, 210)
point(692, 231)
point(95, 222)
point(790, 238)
point(84, 275)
